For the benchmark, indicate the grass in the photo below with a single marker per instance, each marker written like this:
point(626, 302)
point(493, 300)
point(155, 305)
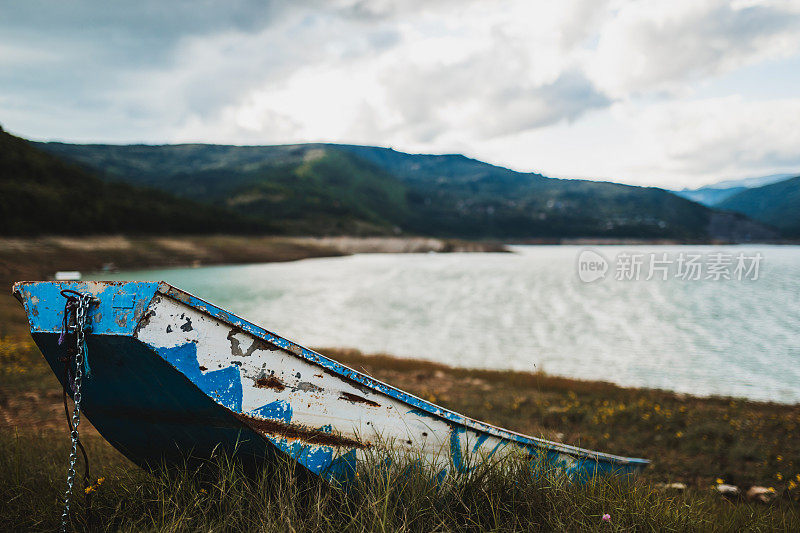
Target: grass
point(503, 496)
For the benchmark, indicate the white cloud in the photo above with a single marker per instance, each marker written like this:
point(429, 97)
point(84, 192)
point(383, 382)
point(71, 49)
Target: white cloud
point(602, 88)
point(658, 46)
point(443, 78)
point(724, 136)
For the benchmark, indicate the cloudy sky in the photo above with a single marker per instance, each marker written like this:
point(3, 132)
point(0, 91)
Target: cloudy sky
point(667, 93)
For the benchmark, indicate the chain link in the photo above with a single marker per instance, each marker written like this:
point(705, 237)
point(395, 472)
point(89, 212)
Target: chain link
point(82, 303)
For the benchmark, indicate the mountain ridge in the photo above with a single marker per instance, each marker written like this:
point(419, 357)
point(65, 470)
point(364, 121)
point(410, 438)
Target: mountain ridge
point(776, 204)
point(329, 188)
point(716, 193)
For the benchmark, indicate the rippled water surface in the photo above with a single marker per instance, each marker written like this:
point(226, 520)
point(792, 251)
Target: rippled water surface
point(529, 310)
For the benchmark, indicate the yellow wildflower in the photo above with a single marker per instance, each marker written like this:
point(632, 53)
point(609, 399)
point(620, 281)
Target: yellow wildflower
point(96, 485)
point(779, 476)
point(720, 481)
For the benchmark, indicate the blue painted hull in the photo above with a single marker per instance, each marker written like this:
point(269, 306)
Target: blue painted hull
point(152, 414)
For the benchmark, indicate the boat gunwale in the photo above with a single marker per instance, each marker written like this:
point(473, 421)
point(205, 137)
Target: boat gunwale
point(343, 371)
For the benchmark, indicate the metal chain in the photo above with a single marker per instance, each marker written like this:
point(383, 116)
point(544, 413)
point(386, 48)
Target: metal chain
point(81, 314)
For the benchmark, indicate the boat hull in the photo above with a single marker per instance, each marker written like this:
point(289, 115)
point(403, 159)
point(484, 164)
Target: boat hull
point(152, 414)
point(172, 375)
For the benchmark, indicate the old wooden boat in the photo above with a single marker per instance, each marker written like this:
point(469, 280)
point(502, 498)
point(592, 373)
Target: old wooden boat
point(169, 374)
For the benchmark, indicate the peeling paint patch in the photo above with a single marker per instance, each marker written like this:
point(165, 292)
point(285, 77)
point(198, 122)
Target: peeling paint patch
point(280, 411)
point(481, 439)
point(224, 385)
point(235, 347)
point(315, 458)
point(455, 450)
point(257, 344)
point(295, 349)
point(307, 386)
point(145, 320)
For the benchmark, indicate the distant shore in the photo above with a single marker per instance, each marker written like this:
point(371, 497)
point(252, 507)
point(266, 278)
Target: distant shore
point(95, 253)
point(39, 258)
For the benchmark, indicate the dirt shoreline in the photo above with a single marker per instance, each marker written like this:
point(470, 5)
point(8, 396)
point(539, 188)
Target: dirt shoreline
point(41, 257)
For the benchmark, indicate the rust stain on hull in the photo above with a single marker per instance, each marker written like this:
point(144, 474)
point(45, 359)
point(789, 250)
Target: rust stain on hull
point(270, 382)
point(295, 432)
point(355, 398)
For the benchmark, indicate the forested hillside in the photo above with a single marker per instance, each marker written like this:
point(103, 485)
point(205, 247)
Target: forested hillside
point(777, 204)
point(40, 194)
point(326, 188)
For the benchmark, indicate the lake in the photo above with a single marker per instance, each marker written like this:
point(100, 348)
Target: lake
point(533, 310)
